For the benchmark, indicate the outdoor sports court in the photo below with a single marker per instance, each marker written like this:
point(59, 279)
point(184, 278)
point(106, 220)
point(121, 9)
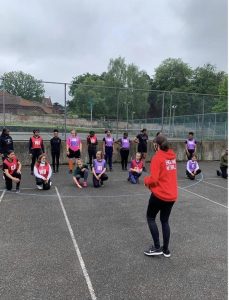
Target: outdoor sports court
point(67, 243)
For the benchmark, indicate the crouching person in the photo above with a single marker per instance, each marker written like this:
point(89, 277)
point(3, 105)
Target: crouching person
point(43, 173)
point(81, 171)
point(192, 168)
point(136, 168)
point(12, 171)
point(99, 169)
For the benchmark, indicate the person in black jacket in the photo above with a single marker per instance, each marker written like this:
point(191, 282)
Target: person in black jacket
point(55, 150)
point(6, 143)
point(92, 143)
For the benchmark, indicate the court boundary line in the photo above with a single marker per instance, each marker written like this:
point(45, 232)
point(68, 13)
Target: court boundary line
point(198, 195)
point(80, 258)
point(222, 187)
point(2, 195)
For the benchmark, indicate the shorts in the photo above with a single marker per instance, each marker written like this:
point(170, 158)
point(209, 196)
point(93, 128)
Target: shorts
point(73, 154)
point(142, 148)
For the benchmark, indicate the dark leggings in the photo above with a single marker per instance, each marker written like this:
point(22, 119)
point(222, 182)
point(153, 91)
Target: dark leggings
point(92, 155)
point(97, 182)
point(35, 154)
point(192, 177)
point(108, 156)
point(190, 154)
point(9, 182)
point(224, 172)
point(41, 182)
point(124, 158)
point(55, 161)
point(165, 207)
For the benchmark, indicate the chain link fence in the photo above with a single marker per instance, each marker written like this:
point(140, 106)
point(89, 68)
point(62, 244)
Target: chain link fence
point(87, 107)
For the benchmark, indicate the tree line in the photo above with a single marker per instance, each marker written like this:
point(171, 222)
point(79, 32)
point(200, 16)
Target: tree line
point(125, 90)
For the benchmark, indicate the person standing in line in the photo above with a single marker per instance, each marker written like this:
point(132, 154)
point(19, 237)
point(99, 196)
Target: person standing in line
point(154, 140)
point(136, 167)
point(142, 139)
point(192, 168)
point(124, 150)
point(81, 171)
point(55, 150)
point(190, 145)
point(36, 147)
point(73, 149)
point(92, 143)
point(43, 173)
point(6, 143)
point(99, 169)
point(12, 171)
point(223, 165)
point(108, 148)
point(162, 183)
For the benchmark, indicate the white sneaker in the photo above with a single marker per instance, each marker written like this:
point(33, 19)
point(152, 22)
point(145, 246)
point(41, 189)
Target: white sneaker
point(50, 183)
point(39, 187)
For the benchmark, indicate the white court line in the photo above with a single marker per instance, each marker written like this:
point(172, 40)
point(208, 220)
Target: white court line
point(184, 189)
point(2, 195)
point(222, 187)
point(197, 182)
point(82, 264)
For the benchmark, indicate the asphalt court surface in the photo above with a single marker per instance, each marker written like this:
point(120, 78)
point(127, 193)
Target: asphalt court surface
point(68, 243)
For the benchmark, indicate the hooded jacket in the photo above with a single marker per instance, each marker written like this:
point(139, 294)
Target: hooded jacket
point(163, 175)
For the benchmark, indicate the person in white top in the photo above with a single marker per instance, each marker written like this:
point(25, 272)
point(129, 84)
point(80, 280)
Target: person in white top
point(192, 168)
point(43, 172)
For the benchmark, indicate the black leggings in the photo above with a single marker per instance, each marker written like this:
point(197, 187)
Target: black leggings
point(55, 161)
point(192, 177)
point(108, 156)
point(35, 154)
point(124, 158)
point(41, 182)
point(92, 155)
point(165, 207)
point(224, 172)
point(9, 182)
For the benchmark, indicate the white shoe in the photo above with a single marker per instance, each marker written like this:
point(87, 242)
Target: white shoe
point(50, 183)
point(39, 187)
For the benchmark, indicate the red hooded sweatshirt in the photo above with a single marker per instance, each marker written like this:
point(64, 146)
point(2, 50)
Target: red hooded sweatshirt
point(163, 175)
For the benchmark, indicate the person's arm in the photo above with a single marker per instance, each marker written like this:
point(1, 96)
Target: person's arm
point(42, 146)
point(81, 147)
point(197, 167)
point(186, 147)
point(30, 146)
point(103, 171)
point(152, 179)
point(50, 173)
point(76, 182)
point(15, 179)
point(19, 167)
point(93, 171)
point(104, 144)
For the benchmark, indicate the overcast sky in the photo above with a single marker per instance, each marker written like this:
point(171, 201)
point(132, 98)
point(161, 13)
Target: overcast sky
point(58, 40)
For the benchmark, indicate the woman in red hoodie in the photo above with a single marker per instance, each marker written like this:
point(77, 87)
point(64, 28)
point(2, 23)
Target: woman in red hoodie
point(162, 183)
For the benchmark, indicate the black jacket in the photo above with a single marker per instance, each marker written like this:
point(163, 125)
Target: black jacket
point(6, 144)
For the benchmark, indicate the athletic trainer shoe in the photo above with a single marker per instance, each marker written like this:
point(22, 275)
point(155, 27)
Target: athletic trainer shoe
point(17, 191)
point(153, 251)
point(39, 187)
point(166, 253)
point(218, 173)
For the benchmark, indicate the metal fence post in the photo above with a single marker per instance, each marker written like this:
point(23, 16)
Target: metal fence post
point(170, 112)
point(202, 127)
point(162, 112)
point(4, 104)
point(65, 111)
point(117, 113)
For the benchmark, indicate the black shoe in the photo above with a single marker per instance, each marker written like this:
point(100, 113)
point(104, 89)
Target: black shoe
point(153, 251)
point(101, 183)
point(166, 253)
point(128, 179)
point(218, 173)
point(54, 171)
point(111, 170)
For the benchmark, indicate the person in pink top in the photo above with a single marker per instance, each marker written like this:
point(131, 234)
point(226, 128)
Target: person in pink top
point(73, 149)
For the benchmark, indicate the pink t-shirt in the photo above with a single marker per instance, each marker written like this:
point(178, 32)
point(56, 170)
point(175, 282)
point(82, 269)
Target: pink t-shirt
point(73, 143)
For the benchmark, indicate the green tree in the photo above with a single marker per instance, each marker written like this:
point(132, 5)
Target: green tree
point(24, 85)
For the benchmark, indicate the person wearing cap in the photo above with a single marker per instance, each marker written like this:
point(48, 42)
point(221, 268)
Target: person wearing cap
point(55, 150)
point(36, 147)
point(162, 183)
point(223, 165)
point(92, 143)
point(6, 143)
point(142, 139)
point(12, 171)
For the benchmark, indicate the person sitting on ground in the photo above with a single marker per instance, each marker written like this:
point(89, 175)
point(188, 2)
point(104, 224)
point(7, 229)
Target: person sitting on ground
point(42, 172)
point(99, 169)
point(223, 165)
point(81, 171)
point(12, 171)
point(192, 168)
point(136, 168)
